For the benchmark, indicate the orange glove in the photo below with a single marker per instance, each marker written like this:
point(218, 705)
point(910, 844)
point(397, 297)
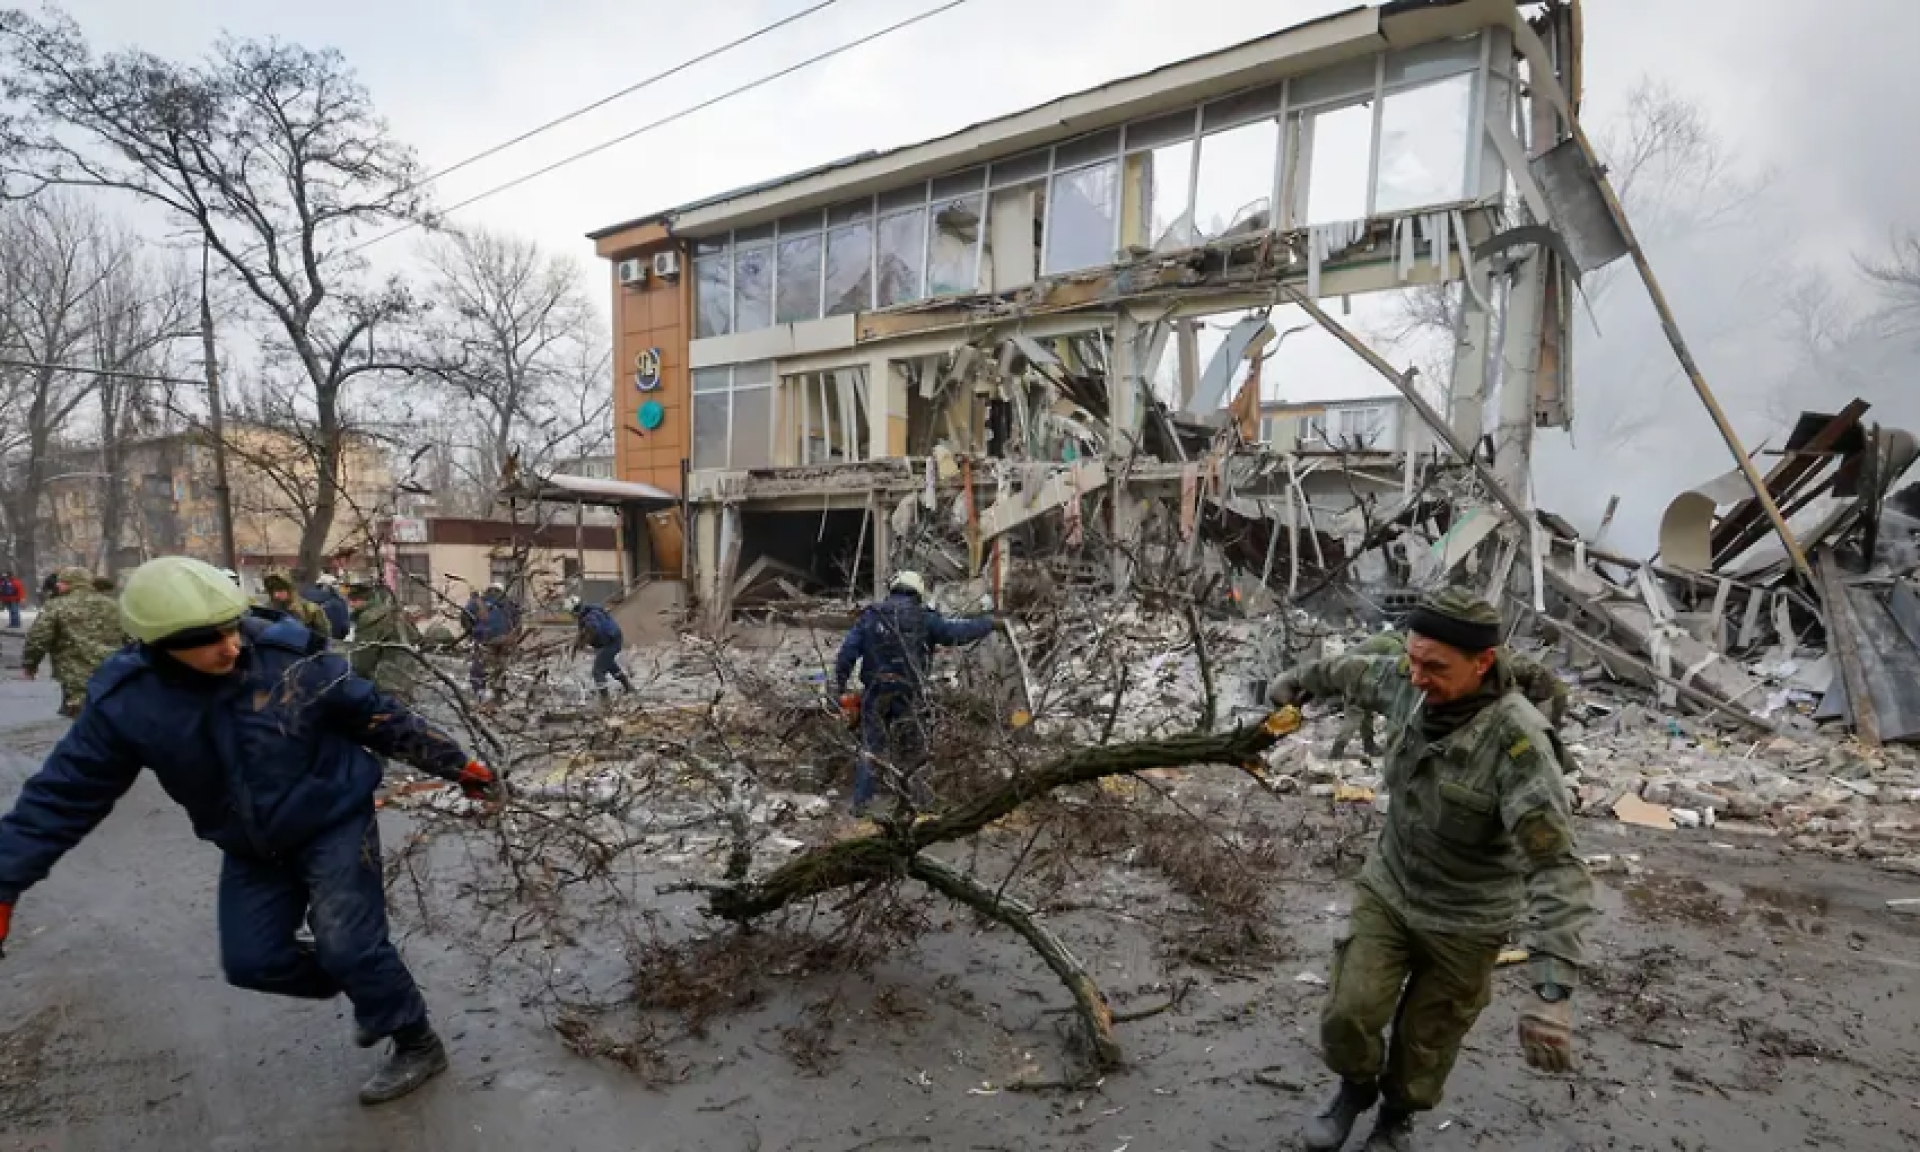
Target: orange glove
point(6, 922)
point(850, 704)
point(477, 781)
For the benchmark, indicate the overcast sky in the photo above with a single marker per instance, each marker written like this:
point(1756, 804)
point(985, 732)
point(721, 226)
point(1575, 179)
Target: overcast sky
point(1816, 91)
point(1819, 95)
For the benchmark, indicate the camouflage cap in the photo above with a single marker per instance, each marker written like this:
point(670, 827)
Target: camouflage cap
point(75, 577)
point(277, 580)
point(1457, 617)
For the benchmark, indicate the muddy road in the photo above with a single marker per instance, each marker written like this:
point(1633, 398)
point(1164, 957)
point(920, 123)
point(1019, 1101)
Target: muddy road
point(1744, 1000)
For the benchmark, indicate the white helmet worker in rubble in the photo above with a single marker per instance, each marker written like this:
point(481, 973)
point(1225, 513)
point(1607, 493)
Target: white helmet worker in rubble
point(328, 580)
point(273, 746)
point(909, 582)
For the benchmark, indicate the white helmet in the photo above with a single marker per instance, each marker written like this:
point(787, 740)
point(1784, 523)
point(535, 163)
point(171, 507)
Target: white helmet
point(328, 580)
point(909, 582)
point(231, 575)
point(573, 603)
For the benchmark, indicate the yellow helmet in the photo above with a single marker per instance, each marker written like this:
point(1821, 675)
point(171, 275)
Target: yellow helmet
point(177, 594)
point(909, 582)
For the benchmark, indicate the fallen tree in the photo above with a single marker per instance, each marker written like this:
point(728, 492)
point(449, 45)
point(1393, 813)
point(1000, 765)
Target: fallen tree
point(897, 850)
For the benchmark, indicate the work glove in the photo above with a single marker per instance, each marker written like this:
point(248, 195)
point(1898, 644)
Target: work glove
point(1546, 1035)
point(477, 782)
point(6, 922)
point(1286, 690)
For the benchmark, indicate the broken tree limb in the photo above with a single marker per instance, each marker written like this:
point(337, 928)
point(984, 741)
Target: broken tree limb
point(1089, 1002)
point(886, 853)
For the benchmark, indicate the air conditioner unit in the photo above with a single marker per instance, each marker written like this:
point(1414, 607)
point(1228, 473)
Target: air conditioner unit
point(666, 265)
point(632, 271)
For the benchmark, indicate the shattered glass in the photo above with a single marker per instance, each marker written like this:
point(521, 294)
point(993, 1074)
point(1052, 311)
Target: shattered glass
point(1080, 229)
point(849, 285)
point(1340, 153)
point(1423, 145)
point(799, 278)
point(1162, 182)
point(955, 266)
point(903, 238)
point(712, 301)
point(1235, 189)
point(752, 288)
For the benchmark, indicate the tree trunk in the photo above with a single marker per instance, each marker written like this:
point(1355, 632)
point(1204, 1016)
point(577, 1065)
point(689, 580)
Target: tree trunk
point(318, 527)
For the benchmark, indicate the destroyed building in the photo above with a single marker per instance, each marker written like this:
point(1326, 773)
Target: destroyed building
point(930, 354)
point(1022, 295)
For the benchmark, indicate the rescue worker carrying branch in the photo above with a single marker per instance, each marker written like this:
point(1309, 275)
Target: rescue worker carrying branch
point(893, 643)
point(1478, 836)
point(270, 743)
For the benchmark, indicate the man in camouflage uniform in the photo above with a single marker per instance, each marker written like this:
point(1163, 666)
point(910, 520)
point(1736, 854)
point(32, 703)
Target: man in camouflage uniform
point(1478, 836)
point(78, 629)
point(283, 595)
point(1539, 685)
point(383, 640)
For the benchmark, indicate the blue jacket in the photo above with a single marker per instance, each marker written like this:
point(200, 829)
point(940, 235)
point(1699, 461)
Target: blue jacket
point(490, 618)
point(893, 642)
point(328, 600)
point(262, 759)
point(597, 626)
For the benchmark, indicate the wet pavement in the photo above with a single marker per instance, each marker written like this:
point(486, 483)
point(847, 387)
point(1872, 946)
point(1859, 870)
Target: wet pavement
point(1744, 1001)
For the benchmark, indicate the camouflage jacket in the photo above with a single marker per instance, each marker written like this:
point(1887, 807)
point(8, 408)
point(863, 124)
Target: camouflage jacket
point(1479, 825)
point(379, 633)
point(78, 631)
point(305, 611)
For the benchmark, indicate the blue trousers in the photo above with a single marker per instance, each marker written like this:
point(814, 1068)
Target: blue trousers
point(605, 664)
point(889, 730)
point(13, 614)
point(334, 884)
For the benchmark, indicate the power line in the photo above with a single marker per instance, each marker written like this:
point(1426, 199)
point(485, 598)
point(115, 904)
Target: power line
point(669, 119)
point(83, 370)
point(624, 92)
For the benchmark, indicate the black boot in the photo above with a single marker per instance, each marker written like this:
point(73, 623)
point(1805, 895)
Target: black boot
point(1392, 1131)
point(418, 1056)
point(1328, 1131)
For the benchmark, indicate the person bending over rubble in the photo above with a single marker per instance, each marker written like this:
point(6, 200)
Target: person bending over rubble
point(268, 742)
point(599, 631)
point(1478, 832)
point(893, 643)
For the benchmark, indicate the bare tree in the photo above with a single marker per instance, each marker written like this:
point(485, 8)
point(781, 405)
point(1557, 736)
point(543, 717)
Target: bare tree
point(271, 153)
point(515, 339)
point(1896, 275)
point(136, 320)
point(56, 256)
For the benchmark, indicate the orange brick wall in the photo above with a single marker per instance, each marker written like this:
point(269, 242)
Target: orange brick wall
point(653, 316)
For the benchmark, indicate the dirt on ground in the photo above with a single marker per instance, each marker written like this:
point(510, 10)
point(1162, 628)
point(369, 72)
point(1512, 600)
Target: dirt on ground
point(1741, 998)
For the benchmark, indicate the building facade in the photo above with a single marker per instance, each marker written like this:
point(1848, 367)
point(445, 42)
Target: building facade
point(1023, 291)
point(169, 502)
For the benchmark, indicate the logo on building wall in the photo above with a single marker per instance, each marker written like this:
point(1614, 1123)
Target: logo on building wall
point(646, 369)
point(651, 415)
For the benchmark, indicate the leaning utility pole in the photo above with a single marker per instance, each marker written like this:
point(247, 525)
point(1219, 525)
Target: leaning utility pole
point(223, 496)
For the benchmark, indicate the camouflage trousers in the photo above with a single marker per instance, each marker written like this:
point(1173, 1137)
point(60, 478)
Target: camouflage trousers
point(1429, 986)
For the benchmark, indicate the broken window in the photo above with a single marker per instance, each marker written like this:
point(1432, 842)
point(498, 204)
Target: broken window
point(1313, 429)
point(711, 405)
point(1360, 427)
point(733, 416)
point(1336, 149)
point(901, 257)
point(1081, 229)
point(1423, 145)
point(1013, 239)
point(798, 277)
point(713, 289)
point(953, 265)
point(1234, 192)
point(752, 286)
point(1159, 199)
point(750, 442)
point(825, 415)
point(849, 278)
